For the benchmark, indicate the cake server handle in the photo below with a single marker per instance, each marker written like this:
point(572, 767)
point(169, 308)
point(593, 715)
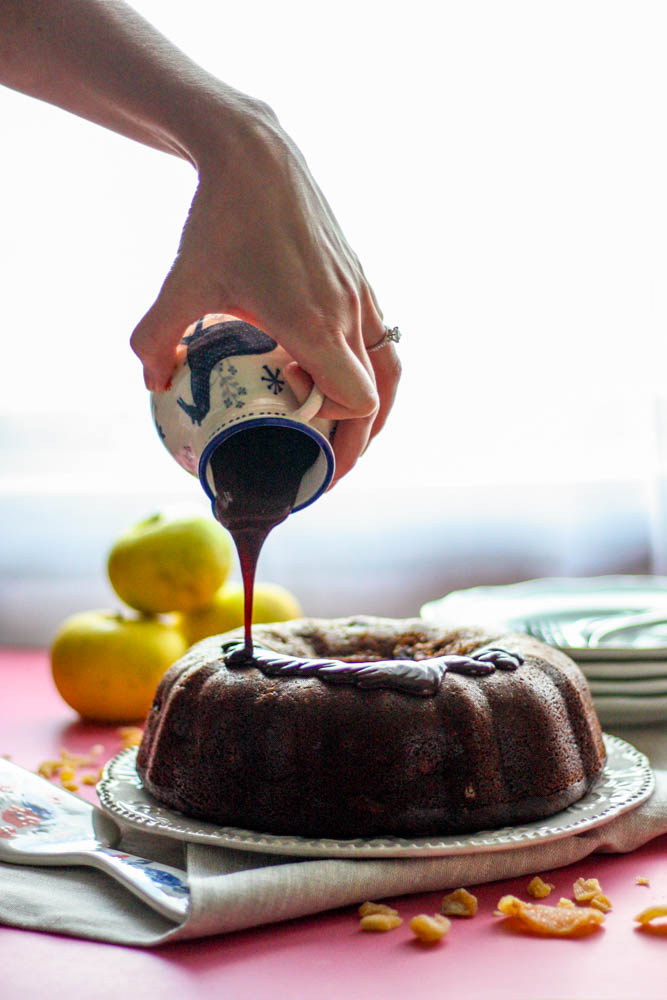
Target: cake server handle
point(165, 889)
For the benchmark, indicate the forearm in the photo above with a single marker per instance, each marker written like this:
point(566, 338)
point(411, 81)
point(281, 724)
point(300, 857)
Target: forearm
point(102, 61)
point(260, 241)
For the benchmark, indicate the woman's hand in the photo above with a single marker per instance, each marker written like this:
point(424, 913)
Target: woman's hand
point(261, 243)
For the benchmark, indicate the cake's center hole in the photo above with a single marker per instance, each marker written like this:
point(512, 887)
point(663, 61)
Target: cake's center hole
point(257, 473)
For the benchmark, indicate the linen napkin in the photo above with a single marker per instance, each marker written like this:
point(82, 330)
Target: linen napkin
point(232, 890)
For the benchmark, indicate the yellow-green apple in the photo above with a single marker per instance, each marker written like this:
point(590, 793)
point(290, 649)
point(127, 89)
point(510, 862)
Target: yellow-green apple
point(271, 603)
point(107, 666)
point(163, 565)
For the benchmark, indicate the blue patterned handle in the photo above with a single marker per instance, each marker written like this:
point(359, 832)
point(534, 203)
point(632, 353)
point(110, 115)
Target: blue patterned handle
point(165, 889)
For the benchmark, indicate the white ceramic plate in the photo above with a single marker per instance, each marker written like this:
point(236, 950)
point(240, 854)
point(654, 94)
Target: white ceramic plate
point(625, 671)
point(644, 688)
point(627, 781)
point(612, 710)
point(561, 605)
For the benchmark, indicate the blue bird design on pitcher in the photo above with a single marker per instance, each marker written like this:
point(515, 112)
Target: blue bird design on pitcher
point(206, 348)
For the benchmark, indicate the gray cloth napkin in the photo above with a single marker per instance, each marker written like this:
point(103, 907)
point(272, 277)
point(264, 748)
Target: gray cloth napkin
point(231, 890)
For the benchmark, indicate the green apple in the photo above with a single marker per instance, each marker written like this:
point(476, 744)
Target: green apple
point(271, 603)
point(163, 565)
point(107, 666)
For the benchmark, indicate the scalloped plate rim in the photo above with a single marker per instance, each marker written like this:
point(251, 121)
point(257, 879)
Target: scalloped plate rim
point(159, 820)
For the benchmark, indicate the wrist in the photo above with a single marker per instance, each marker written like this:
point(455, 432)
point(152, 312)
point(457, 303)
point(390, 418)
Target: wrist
point(220, 123)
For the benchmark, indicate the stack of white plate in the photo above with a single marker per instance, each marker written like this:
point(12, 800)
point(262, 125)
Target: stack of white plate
point(614, 627)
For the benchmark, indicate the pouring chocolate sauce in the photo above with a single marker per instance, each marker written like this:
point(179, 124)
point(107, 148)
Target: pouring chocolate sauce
point(257, 473)
point(231, 418)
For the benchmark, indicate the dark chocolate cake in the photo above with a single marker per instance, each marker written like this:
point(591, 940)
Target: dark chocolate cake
point(364, 727)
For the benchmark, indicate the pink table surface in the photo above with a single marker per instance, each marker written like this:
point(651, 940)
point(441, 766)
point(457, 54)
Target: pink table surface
point(327, 956)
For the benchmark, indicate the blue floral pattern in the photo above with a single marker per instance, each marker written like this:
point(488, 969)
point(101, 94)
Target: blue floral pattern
point(231, 389)
point(167, 880)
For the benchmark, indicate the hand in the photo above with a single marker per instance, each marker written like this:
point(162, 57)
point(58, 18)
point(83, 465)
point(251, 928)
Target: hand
point(261, 243)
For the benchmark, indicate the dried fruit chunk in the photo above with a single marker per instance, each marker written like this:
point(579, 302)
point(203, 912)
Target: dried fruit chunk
point(130, 736)
point(588, 890)
point(585, 889)
point(366, 909)
point(642, 880)
point(69, 763)
point(539, 889)
point(429, 929)
point(378, 917)
point(48, 768)
point(565, 902)
point(555, 921)
point(651, 913)
point(380, 922)
point(459, 903)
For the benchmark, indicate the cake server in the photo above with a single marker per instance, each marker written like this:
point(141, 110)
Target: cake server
point(42, 824)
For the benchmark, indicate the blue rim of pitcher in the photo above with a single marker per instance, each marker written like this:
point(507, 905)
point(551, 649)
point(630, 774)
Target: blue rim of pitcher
point(312, 432)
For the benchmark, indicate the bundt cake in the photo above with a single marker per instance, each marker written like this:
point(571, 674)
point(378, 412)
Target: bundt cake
point(364, 727)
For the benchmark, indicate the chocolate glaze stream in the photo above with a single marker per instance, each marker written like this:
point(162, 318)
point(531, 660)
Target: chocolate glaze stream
point(419, 677)
point(257, 473)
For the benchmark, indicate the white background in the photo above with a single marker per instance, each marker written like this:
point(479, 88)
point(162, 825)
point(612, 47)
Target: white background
point(500, 169)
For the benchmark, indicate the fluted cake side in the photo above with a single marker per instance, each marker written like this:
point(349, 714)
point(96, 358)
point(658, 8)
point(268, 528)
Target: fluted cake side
point(300, 754)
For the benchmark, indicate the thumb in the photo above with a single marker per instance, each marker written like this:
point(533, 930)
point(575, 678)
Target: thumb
point(156, 338)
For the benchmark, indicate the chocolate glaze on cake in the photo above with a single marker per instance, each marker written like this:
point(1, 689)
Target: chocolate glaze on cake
point(296, 754)
point(421, 677)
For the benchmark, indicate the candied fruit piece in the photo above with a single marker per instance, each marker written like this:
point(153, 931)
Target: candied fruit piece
point(368, 908)
point(601, 903)
point(429, 929)
point(48, 768)
point(651, 913)
point(380, 922)
point(539, 889)
point(130, 736)
point(642, 880)
point(585, 889)
point(67, 766)
point(459, 903)
point(554, 921)
point(565, 902)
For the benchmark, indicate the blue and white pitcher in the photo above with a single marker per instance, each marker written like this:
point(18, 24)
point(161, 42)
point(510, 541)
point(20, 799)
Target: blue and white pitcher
point(232, 379)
